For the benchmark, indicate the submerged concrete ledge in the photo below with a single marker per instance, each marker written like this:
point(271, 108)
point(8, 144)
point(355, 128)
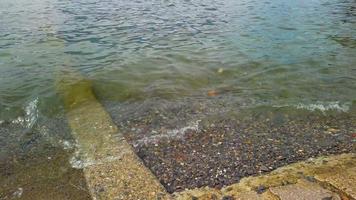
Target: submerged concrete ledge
point(111, 168)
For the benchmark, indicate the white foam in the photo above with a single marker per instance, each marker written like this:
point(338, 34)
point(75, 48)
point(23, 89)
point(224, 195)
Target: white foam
point(78, 163)
point(170, 134)
point(321, 106)
point(67, 145)
point(325, 106)
point(18, 193)
point(31, 115)
point(18, 120)
point(80, 159)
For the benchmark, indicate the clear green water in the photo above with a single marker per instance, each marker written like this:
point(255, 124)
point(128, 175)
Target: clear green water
point(272, 52)
point(280, 53)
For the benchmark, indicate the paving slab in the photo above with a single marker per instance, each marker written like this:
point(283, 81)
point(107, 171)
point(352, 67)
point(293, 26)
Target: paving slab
point(303, 190)
point(111, 168)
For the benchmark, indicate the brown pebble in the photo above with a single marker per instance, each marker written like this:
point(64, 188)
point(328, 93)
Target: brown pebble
point(212, 93)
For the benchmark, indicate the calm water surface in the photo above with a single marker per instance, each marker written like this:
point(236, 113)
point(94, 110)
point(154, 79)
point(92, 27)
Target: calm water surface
point(281, 53)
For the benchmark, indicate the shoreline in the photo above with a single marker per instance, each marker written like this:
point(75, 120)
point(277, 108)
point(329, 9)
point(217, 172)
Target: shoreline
point(220, 150)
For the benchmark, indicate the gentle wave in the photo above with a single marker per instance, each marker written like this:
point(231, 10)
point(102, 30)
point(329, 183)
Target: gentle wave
point(321, 106)
point(170, 134)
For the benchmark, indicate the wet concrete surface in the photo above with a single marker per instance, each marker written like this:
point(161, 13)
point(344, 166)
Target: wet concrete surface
point(110, 166)
point(219, 150)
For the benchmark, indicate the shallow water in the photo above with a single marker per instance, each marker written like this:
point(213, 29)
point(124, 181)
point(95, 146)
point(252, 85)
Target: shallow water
point(270, 52)
point(226, 56)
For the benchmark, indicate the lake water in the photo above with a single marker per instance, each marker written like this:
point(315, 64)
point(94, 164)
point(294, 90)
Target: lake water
point(229, 55)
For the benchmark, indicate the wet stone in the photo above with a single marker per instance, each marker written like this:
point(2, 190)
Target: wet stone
point(260, 189)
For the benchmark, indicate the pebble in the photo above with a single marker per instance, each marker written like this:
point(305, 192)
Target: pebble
point(261, 189)
point(212, 93)
point(264, 168)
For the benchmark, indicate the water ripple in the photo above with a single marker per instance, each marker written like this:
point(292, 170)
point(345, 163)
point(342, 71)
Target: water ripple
point(294, 50)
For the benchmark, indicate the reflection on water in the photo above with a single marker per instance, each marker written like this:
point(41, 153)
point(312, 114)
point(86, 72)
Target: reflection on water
point(138, 54)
